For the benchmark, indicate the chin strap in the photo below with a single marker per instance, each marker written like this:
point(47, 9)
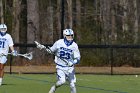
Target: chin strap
point(67, 42)
point(2, 33)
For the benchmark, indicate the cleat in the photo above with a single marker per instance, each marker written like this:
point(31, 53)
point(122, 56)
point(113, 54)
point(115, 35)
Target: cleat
point(52, 90)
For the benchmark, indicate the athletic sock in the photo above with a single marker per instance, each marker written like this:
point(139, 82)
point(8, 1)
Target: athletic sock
point(0, 81)
point(52, 90)
point(73, 90)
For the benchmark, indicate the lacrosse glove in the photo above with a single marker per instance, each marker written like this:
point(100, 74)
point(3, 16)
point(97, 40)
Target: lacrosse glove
point(75, 61)
point(41, 47)
point(48, 50)
point(70, 64)
point(14, 53)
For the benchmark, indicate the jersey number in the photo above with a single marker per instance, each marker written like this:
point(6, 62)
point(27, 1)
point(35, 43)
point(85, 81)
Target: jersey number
point(2, 44)
point(64, 55)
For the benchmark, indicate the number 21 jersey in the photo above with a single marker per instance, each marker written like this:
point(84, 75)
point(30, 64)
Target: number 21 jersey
point(5, 42)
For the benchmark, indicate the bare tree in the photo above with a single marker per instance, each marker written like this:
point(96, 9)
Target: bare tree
point(33, 32)
point(33, 21)
point(136, 27)
point(105, 16)
point(16, 20)
point(113, 23)
point(16, 23)
point(78, 19)
point(58, 20)
point(50, 23)
point(69, 3)
point(124, 4)
point(1, 12)
point(46, 21)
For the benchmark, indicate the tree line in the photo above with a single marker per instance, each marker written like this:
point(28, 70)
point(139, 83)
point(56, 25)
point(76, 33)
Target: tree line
point(93, 22)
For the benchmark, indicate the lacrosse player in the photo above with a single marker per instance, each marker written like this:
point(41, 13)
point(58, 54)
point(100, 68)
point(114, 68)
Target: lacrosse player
point(6, 42)
point(66, 49)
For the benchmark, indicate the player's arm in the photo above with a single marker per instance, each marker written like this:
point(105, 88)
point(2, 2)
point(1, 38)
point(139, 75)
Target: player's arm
point(76, 57)
point(54, 47)
point(75, 61)
point(14, 52)
point(11, 46)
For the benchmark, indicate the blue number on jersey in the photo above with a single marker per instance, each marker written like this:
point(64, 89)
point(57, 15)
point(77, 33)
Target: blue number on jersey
point(2, 44)
point(64, 54)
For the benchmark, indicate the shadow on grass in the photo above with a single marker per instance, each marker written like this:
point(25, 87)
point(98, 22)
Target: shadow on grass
point(7, 84)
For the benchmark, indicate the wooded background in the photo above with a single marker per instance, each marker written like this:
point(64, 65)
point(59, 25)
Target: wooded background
point(95, 22)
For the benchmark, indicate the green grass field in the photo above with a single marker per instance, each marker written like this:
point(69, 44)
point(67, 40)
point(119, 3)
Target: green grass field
point(41, 83)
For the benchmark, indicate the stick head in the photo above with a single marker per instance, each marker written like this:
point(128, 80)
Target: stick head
point(29, 56)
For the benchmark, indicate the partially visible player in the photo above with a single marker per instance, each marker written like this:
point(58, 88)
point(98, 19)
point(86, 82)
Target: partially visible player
point(66, 49)
point(6, 42)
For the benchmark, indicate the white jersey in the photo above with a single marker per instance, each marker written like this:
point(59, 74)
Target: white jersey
point(5, 42)
point(65, 52)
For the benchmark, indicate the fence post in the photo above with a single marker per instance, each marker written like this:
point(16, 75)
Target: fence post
point(111, 60)
point(11, 64)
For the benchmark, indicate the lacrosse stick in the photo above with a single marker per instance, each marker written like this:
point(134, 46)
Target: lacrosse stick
point(27, 55)
point(49, 51)
point(2, 55)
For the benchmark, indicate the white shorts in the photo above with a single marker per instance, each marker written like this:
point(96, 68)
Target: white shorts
point(3, 59)
point(63, 76)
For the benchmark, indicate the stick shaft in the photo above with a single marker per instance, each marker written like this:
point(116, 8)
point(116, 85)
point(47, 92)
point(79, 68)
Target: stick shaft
point(44, 47)
point(57, 56)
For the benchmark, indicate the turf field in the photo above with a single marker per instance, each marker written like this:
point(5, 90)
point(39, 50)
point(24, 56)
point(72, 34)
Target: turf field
point(41, 83)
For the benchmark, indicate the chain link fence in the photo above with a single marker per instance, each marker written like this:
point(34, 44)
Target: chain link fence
point(95, 59)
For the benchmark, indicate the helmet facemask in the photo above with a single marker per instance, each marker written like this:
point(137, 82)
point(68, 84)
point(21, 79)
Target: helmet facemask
point(3, 29)
point(68, 36)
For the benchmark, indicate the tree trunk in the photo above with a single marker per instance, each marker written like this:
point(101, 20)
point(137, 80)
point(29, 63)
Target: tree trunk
point(78, 19)
point(23, 30)
point(69, 24)
point(46, 21)
point(16, 25)
point(58, 21)
point(33, 32)
point(113, 24)
point(50, 25)
point(16, 20)
point(1, 12)
point(105, 16)
point(136, 24)
point(33, 21)
point(98, 18)
point(124, 20)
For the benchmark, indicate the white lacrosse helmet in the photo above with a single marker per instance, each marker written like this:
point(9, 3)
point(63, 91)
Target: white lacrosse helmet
point(68, 32)
point(3, 28)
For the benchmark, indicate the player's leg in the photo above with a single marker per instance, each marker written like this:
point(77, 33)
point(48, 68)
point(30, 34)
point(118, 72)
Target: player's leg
point(61, 80)
point(2, 62)
point(72, 81)
point(1, 72)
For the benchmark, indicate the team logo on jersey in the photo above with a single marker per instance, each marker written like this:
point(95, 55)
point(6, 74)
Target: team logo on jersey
point(65, 53)
point(2, 42)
